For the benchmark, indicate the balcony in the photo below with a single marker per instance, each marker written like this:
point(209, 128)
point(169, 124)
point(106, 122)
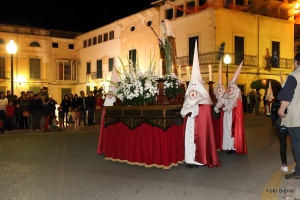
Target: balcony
point(249, 61)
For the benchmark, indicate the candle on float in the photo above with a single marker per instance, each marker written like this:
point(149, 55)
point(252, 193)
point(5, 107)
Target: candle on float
point(160, 69)
point(209, 73)
point(188, 73)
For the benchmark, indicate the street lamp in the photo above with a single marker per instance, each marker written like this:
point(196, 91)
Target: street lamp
point(11, 48)
point(227, 61)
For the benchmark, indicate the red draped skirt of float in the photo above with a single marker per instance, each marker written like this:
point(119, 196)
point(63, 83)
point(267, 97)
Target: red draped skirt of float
point(145, 145)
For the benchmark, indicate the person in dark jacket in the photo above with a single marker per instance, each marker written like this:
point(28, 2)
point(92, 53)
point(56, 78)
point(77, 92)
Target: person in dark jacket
point(35, 107)
point(65, 105)
point(91, 107)
point(47, 112)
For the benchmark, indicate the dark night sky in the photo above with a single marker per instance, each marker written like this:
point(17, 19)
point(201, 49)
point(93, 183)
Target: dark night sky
point(69, 15)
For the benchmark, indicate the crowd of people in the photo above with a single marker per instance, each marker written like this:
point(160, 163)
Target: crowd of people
point(252, 102)
point(41, 111)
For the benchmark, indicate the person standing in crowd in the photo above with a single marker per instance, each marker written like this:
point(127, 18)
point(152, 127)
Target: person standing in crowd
point(60, 117)
point(23, 101)
point(10, 110)
point(75, 101)
point(248, 102)
point(289, 97)
point(252, 102)
point(258, 100)
point(18, 116)
point(52, 104)
point(200, 144)
point(71, 118)
point(99, 106)
point(282, 134)
point(46, 113)
point(77, 118)
point(35, 107)
point(65, 105)
point(3, 103)
point(91, 106)
point(9, 96)
point(82, 106)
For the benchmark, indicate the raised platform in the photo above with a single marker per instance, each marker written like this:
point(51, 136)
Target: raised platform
point(162, 116)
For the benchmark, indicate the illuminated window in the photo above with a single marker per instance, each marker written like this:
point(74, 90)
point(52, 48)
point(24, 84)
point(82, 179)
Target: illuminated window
point(34, 68)
point(67, 70)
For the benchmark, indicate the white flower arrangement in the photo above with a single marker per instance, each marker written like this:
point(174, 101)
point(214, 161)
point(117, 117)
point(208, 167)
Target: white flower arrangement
point(172, 85)
point(137, 87)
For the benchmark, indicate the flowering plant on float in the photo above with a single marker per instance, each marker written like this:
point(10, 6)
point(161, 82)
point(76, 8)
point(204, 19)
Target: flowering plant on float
point(172, 85)
point(136, 87)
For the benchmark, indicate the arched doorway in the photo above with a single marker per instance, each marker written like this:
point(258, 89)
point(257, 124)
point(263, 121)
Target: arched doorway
point(259, 84)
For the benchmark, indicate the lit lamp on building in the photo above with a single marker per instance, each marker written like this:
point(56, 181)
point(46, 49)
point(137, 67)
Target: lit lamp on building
point(264, 81)
point(11, 48)
point(227, 61)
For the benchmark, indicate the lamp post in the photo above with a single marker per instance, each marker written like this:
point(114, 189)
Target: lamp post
point(11, 48)
point(227, 61)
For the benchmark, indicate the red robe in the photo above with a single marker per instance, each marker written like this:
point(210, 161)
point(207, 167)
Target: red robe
point(204, 137)
point(238, 128)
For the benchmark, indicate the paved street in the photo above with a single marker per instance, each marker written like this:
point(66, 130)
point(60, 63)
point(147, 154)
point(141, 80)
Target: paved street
point(64, 165)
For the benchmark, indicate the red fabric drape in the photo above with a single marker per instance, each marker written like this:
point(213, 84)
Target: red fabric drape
point(206, 150)
point(145, 145)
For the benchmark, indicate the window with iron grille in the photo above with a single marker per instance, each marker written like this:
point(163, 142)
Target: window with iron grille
point(239, 48)
point(2, 67)
point(90, 42)
point(99, 69)
point(34, 68)
point(84, 43)
point(110, 64)
point(192, 41)
point(169, 14)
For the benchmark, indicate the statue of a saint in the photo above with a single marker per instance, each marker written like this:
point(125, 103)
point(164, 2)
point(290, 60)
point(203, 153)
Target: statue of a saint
point(167, 48)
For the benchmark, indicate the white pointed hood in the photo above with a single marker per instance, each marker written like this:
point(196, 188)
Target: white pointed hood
point(270, 96)
point(219, 89)
point(196, 92)
point(233, 90)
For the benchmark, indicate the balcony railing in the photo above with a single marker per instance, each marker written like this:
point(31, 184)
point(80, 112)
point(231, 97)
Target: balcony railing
point(249, 61)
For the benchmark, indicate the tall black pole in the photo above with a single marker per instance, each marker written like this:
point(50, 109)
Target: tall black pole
point(12, 74)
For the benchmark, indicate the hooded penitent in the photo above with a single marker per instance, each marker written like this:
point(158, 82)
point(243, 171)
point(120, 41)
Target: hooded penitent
point(110, 96)
point(196, 92)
